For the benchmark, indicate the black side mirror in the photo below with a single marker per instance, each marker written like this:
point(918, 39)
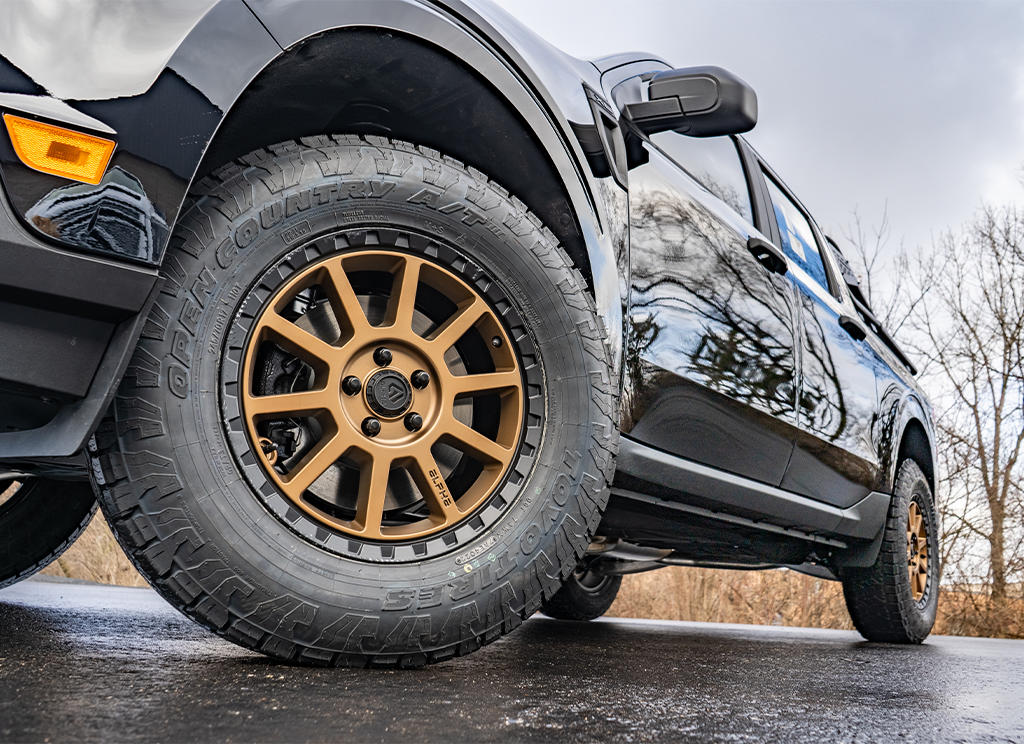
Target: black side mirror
point(696, 101)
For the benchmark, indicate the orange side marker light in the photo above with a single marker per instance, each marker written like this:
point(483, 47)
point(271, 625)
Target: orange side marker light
point(59, 151)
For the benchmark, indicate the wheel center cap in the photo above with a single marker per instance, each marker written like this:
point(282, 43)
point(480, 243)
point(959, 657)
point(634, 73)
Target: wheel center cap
point(388, 393)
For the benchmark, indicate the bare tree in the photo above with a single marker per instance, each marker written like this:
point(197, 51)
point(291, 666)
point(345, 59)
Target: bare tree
point(970, 327)
point(883, 281)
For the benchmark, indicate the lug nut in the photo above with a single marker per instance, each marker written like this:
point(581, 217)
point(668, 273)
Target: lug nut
point(496, 342)
point(371, 426)
point(419, 379)
point(414, 422)
point(351, 385)
point(382, 357)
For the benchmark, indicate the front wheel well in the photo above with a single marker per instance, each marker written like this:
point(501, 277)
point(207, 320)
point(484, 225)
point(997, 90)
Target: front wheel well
point(380, 82)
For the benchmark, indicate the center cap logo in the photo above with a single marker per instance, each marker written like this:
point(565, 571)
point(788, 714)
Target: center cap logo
point(395, 392)
point(388, 393)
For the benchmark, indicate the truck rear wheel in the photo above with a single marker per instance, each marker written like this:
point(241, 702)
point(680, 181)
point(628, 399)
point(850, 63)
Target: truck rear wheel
point(39, 520)
point(371, 420)
point(895, 601)
point(585, 595)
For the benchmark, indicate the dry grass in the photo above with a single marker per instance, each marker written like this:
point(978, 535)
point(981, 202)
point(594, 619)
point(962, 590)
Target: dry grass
point(777, 597)
point(96, 556)
point(710, 595)
point(790, 598)
point(967, 613)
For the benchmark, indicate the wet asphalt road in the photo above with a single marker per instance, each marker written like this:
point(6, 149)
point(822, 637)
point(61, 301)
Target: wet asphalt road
point(94, 663)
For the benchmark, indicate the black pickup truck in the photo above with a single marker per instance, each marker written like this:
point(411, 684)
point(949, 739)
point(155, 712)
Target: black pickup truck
point(376, 326)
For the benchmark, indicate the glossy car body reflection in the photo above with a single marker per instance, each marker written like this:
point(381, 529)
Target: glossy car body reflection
point(756, 428)
point(704, 311)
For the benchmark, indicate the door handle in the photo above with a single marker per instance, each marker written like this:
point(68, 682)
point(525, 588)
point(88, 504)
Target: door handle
point(770, 257)
point(854, 327)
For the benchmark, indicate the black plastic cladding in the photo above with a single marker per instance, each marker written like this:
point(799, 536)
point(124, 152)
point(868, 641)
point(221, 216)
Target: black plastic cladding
point(405, 88)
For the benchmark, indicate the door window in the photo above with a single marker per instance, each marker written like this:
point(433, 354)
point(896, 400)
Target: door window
point(797, 236)
point(714, 163)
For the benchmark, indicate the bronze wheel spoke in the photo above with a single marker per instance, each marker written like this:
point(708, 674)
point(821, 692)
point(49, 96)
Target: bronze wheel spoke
point(486, 382)
point(295, 340)
point(373, 488)
point(403, 294)
point(312, 466)
point(343, 300)
point(456, 326)
point(474, 443)
point(384, 396)
point(917, 551)
point(306, 403)
point(428, 478)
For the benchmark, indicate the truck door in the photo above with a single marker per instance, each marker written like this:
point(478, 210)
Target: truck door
point(835, 459)
point(711, 367)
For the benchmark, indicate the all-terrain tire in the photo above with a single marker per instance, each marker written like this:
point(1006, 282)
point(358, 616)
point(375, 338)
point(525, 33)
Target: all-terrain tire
point(881, 598)
point(192, 499)
point(585, 595)
point(41, 520)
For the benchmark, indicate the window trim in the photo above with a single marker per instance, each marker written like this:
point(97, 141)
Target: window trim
point(764, 216)
point(743, 169)
point(834, 288)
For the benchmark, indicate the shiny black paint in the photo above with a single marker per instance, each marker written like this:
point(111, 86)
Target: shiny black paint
point(835, 458)
point(162, 134)
point(722, 362)
point(712, 344)
point(13, 80)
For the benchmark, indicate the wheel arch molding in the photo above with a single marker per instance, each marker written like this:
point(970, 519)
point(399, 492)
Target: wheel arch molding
point(522, 92)
point(916, 441)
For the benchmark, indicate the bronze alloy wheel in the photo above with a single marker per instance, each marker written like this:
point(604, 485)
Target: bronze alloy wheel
point(917, 551)
point(381, 395)
point(371, 418)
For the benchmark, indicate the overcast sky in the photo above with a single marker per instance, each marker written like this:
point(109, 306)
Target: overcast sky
point(918, 104)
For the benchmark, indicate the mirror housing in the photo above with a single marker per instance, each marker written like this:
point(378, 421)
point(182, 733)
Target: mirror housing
point(697, 102)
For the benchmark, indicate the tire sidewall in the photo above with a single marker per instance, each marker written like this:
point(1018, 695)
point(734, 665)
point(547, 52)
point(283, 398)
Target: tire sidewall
point(222, 536)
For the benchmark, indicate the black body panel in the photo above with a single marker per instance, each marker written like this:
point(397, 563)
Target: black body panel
point(161, 135)
point(712, 332)
point(752, 417)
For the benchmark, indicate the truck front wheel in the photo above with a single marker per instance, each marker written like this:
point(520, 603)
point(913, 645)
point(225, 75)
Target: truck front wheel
point(371, 420)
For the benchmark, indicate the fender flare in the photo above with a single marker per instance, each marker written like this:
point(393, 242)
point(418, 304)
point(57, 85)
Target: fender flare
point(500, 50)
point(913, 411)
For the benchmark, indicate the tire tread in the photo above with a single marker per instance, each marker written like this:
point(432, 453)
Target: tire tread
point(133, 508)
